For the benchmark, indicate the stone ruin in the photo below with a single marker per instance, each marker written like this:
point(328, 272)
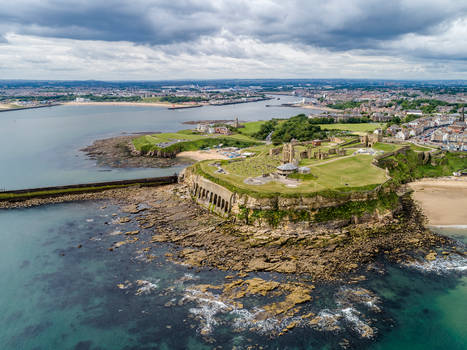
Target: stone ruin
point(288, 153)
point(368, 140)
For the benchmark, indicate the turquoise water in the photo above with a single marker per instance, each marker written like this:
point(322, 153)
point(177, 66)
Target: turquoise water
point(40, 147)
point(55, 295)
point(431, 308)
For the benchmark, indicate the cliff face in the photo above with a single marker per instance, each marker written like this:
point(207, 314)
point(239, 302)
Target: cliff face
point(354, 207)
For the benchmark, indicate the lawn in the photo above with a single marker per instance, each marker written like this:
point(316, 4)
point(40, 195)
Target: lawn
point(255, 166)
point(353, 172)
point(420, 148)
point(349, 172)
point(154, 139)
point(386, 147)
point(251, 127)
point(357, 128)
point(150, 142)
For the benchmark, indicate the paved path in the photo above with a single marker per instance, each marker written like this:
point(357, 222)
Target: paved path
point(332, 160)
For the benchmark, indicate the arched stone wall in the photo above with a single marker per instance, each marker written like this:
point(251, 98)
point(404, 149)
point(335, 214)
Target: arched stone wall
point(213, 196)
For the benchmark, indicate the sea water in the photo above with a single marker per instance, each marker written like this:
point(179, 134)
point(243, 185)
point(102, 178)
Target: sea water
point(62, 288)
point(41, 147)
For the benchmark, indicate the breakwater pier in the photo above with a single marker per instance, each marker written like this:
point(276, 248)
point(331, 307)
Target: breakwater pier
point(44, 192)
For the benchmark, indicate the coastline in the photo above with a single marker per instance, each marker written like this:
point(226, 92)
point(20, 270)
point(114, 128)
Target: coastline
point(116, 152)
point(133, 104)
point(205, 240)
point(443, 200)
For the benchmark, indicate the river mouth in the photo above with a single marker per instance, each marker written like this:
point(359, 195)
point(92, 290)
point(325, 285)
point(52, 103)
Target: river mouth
point(62, 285)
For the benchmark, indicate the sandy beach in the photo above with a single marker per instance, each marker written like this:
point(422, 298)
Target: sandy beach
point(201, 155)
point(145, 104)
point(7, 106)
point(443, 200)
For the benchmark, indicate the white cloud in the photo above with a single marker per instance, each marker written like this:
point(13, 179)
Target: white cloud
point(223, 56)
point(160, 39)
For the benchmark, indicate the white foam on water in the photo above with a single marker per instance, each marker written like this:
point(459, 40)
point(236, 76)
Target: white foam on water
point(441, 265)
point(351, 315)
point(115, 233)
point(115, 221)
point(349, 296)
point(249, 319)
point(449, 226)
point(346, 314)
point(146, 287)
point(209, 306)
point(328, 320)
point(89, 220)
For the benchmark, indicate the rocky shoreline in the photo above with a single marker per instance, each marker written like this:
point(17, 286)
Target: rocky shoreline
point(204, 240)
point(117, 152)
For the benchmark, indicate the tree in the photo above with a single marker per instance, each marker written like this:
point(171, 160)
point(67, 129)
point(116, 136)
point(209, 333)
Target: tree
point(299, 127)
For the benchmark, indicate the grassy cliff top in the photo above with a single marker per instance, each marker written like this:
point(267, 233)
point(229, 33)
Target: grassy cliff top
point(337, 174)
point(186, 140)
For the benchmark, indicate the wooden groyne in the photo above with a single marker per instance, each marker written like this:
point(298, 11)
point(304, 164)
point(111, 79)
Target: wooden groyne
point(54, 191)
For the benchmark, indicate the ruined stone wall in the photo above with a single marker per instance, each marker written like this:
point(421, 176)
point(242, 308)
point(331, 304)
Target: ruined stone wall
point(209, 194)
point(225, 202)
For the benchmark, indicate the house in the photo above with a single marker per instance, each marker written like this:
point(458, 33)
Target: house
point(416, 112)
point(404, 134)
point(202, 128)
point(437, 136)
point(222, 130)
point(380, 117)
point(393, 129)
point(316, 143)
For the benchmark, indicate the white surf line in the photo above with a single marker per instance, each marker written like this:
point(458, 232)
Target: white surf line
point(448, 226)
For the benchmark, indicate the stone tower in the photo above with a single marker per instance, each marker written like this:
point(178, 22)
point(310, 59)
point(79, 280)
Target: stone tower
point(288, 153)
point(462, 119)
point(236, 124)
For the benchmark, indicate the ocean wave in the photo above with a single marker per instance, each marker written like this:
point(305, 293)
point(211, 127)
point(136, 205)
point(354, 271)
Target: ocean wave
point(441, 265)
point(146, 287)
point(211, 307)
point(449, 226)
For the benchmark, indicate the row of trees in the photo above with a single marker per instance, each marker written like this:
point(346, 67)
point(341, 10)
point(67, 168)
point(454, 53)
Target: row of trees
point(299, 127)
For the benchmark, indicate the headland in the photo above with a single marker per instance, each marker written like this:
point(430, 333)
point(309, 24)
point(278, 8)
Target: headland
point(325, 207)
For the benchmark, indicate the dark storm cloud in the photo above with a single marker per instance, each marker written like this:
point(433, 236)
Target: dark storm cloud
point(333, 24)
point(151, 22)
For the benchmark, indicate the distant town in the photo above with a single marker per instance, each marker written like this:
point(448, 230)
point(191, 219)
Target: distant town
point(430, 113)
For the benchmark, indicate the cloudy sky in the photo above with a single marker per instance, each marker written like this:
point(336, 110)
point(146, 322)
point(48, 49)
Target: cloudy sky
point(177, 39)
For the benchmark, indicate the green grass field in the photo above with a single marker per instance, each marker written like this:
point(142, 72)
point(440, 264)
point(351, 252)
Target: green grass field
point(251, 127)
point(386, 147)
point(357, 128)
point(191, 141)
point(255, 166)
point(420, 148)
point(355, 171)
